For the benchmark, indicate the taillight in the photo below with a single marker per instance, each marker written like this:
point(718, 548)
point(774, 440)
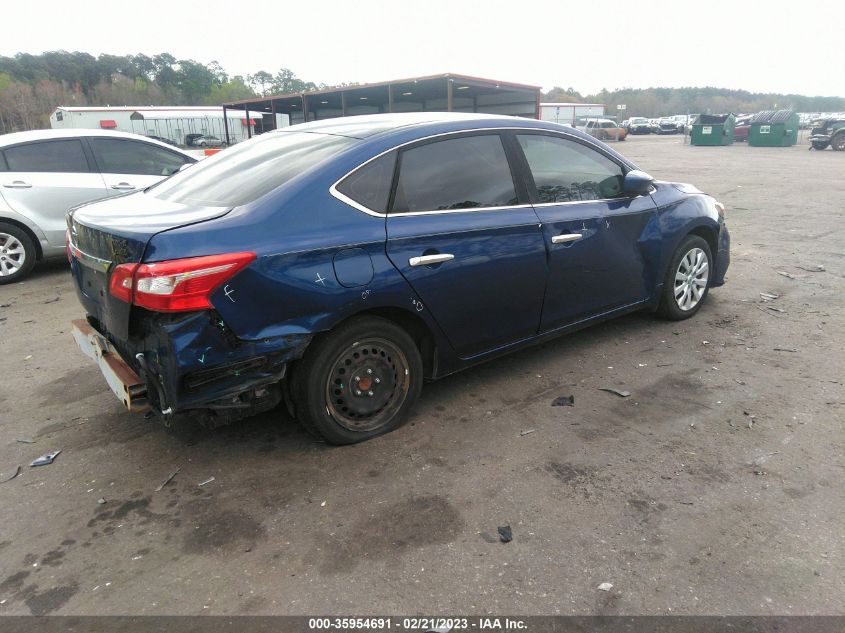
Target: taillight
point(177, 285)
point(120, 284)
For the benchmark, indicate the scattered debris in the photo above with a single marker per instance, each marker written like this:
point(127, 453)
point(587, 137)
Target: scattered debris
point(760, 472)
point(488, 538)
point(738, 381)
point(759, 461)
point(818, 268)
point(750, 419)
point(5, 305)
point(619, 392)
point(605, 586)
point(705, 342)
point(28, 357)
point(24, 440)
point(768, 296)
point(765, 311)
point(785, 349)
point(169, 479)
point(101, 500)
point(52, 300)
point(323, 505)
point(665, 364)
point(505, 533)
point(776, 309)
point(45, 459)
point(564, 401)
point(14, 474)
point(210, 479)
point(526, 432)
point(786, 274)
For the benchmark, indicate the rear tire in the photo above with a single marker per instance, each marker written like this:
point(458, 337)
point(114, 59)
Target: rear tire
point(17, 253)
point(358, 381)
point(687, 280)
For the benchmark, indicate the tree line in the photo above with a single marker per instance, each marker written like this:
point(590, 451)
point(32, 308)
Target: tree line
point(656, 102)
point(32, 86)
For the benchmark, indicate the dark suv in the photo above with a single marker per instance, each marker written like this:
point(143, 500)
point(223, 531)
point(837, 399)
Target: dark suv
point(829, 131)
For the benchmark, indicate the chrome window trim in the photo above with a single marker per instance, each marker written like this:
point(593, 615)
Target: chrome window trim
point(352, 203)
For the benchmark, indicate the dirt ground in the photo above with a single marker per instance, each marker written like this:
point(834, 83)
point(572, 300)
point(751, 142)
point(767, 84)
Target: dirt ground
point(715, 488)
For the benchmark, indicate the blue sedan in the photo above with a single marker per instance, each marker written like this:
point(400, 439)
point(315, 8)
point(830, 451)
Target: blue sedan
point(336, 265)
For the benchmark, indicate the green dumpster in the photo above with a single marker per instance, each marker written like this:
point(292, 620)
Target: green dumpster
point(774, 128)
point(713, 129)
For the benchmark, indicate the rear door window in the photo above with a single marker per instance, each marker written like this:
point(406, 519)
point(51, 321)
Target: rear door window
point(63, 155)
point(119, 156)
point(567, 171)
point(459, 173)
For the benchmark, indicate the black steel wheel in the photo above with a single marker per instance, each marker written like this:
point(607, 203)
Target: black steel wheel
point(358, 381)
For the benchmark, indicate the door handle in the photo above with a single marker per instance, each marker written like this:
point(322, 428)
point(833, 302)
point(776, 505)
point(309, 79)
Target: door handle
point(17, 184)
point(566, 237)
point(428, 260)
point(123, 185)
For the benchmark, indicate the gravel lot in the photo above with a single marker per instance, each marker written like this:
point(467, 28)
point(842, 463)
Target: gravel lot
point(712, 489)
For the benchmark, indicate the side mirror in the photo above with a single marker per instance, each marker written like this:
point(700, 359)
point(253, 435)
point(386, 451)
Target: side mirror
point(637, 183)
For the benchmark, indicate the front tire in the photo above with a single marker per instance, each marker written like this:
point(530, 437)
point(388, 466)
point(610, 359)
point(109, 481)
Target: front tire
point(820, 145)
point(17, 253)
point(687, 279)
point(837, 143)
point(358, 381)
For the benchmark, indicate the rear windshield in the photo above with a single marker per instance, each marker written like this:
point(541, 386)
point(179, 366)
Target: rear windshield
point(247, 171)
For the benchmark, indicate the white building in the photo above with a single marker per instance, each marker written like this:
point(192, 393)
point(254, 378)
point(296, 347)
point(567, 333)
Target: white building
point(568, 113)
point(169, 122)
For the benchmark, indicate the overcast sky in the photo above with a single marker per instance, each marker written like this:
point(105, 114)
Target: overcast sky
point(794, 47)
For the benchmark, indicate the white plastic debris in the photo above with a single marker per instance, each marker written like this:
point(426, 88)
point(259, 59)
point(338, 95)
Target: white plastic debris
point(605, 586)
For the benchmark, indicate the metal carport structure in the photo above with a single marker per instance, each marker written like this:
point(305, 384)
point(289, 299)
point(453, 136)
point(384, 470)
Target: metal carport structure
point(438, 93)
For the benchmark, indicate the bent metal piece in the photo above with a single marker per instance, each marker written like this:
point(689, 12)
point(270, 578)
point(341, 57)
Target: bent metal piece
point(123, 381)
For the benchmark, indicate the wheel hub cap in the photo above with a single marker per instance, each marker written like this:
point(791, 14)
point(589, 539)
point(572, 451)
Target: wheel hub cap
point(691, 279)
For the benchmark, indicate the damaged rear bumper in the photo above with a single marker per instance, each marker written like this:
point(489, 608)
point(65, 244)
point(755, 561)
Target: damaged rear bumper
point(127, 385)
point(189, 362)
